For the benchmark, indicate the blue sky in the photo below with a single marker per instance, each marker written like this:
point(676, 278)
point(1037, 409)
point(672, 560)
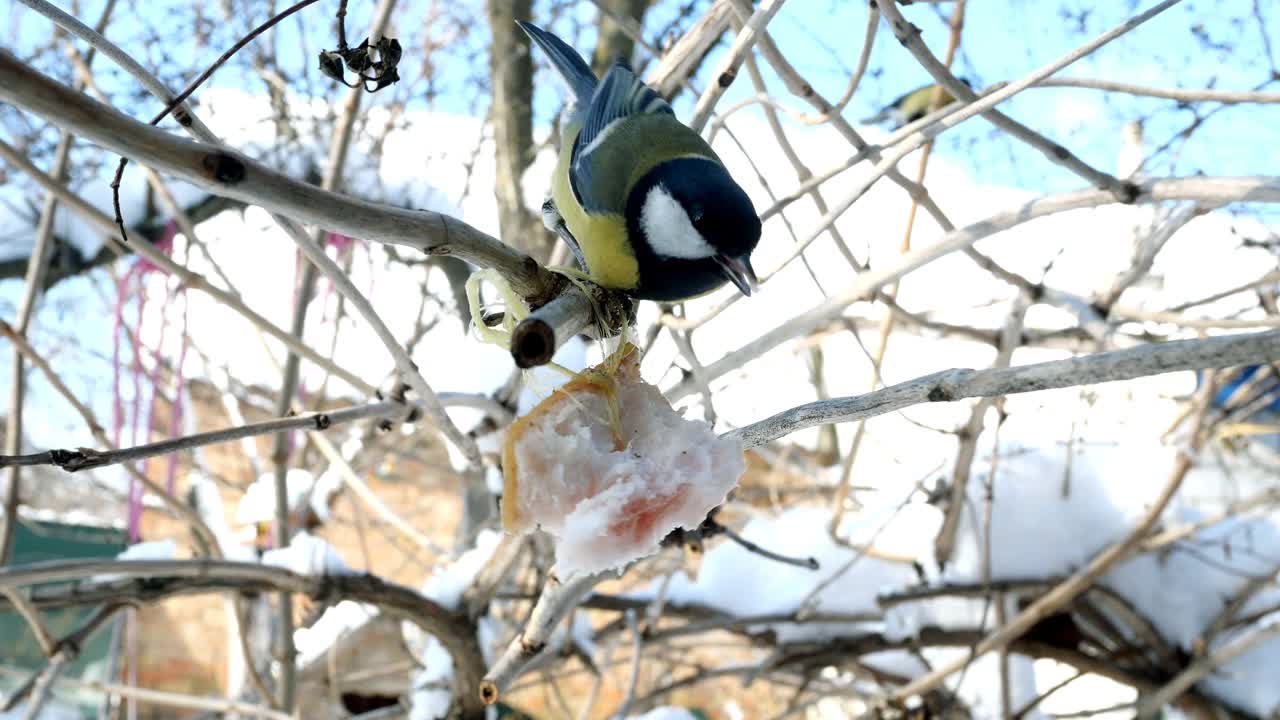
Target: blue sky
point(1198, 43)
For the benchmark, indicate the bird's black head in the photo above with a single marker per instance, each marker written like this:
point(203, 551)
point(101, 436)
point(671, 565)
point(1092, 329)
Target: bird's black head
point(693, 228)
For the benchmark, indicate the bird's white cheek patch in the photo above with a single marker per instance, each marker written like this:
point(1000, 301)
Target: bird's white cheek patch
point(668, 229)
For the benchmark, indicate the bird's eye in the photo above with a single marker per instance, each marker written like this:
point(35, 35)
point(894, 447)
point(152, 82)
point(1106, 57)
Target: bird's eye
point(695, 213)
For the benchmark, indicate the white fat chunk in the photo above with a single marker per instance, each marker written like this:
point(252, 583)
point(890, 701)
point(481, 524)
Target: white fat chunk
point(604, 504)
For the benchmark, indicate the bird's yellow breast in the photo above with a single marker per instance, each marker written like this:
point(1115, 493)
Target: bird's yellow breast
point(603, 238)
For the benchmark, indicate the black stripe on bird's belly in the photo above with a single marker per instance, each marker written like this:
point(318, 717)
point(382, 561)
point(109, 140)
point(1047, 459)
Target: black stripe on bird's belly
point(672, 280)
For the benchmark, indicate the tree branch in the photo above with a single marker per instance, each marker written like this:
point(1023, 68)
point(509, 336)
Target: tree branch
point(556, 600)
point(1213, 190)
point(153, 580)
point(909, 36)
point(752, 30)
point(958, 384)
point(1186, 95)
point(191, 280)
point(86, 458)
point(229, 173)
point(1063, 593)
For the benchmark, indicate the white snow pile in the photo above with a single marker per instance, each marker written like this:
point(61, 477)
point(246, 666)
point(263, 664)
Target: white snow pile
point(307, 554)
point(666, 712)
point(139, 552)
point(303, 489)
point(608, 468)
point(446, 585)
point(743, 584)
point(1047, 521)
point(336, 621)
point(153, 550)
point(209, 506)
point(432, 686)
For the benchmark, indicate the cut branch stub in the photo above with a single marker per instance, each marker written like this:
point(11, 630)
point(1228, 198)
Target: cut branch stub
point(580, 307)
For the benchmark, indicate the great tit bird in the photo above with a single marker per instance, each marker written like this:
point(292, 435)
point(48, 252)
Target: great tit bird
point(911, 107)
point(642, 200)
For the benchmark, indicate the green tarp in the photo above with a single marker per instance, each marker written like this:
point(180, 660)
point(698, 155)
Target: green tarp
point(40, 541)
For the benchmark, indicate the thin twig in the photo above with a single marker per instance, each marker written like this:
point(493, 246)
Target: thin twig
point(728, 68)
point(1184, 95)
point(556, 600)
point(34, 290)
point(79, 582)
point(177, 507)
point(1202, 667)
point(29, 614)
point(85, 458)
point(637, 647)
point(101, 222)
point(909, 36)
point(808, 563)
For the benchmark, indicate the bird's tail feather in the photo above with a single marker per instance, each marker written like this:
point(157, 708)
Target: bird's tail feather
point(877, 118)
point(567, 62)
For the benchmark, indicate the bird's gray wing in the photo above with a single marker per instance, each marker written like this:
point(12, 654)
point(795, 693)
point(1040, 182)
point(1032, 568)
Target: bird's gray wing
point(621, 95)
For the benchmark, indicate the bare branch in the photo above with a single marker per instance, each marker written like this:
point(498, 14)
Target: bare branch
point(1214, 190)
point(151, 580)
point(681, 61)
point(909, 36)
point(367, 495)
point(178, 508)
point(231, 174)
point(952, 385)
point(1202, 667)
point(104, 224)
point(85, 458)
point(1186, 95)
point(728, 68)
point(945, 541)
point(29, 614)
point(556, 600)
point(182, 113)
point(36, 267)
point(169, 699)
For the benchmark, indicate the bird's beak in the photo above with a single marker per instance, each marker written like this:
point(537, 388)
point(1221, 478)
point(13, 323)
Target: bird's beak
point(739, 271)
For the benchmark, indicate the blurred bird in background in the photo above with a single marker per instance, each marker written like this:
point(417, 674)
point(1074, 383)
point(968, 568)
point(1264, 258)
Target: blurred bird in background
point(1248, 405)
point(911, 107)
